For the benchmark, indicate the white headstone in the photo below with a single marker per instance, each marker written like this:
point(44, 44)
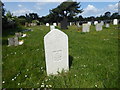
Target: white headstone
point(102, 23)
point(89, 23)
point(70, 23)
point(56, 52)
point(55, 24)
point(85, 27)
point(115, 22)
point(98, 27)
point(107, 25)
point(95, 22)
point(47, 24)
point(52, 27)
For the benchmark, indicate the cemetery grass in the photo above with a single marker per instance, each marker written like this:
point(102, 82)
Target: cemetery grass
point(93, 60)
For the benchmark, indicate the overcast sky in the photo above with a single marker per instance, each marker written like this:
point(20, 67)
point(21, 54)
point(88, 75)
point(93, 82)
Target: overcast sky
point(42, 8)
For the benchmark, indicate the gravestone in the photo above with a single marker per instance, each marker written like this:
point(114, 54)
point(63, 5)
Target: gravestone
point(102, 23)
point(13, 41)
point(64, 23)
point(115, 22)
point(56, 52)
point(55, 24)
point(18, 34)
point(95, 22)
point(47, 24)
point(52, 27)
point(98, 27)
point(89, 23)
point(10, 41)
point(85, 27)
point(107, 25)
point(70, 23)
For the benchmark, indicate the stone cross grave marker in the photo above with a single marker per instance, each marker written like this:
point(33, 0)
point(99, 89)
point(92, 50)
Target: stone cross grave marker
point(98, 27)
point(85, 27)
point(52, 27)
point(115, 22)
point(56, 52)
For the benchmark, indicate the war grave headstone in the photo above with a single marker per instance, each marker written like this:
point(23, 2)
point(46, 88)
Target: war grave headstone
point(56, 52)
point(52, 27)
point(47, 24)
point(95, 22)
point(102, 23)
point(89, 23)
point(115, 22)
point(107, 25)
point(85, 27)
point(55, 24)
point(98, 27)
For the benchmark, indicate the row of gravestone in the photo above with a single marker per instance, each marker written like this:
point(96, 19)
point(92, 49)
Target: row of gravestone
point(14, 41)
point(115, 22)
point(56, 49)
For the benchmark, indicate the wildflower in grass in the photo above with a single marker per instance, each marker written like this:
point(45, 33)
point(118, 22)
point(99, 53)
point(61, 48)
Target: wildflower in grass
point(46, 85)
point(15, 52)
point(3, 82)
point(95, 85)
point(26, 76)
point(37, 83)
point(27, 69)
point(42, 85)
point(46, 80)
point(49, 79)
point(50, 85)
point(41, 67)
point(12, 79)
point(18, 83)
point(75, 75)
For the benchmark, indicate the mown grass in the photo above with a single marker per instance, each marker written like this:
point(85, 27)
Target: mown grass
point(93, 60)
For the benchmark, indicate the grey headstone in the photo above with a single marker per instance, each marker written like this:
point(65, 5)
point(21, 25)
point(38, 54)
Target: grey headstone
point(107, 25)
point(56, 52)
point(85, 28)
point(98, 27)
point(64, 23)
point(10, 41)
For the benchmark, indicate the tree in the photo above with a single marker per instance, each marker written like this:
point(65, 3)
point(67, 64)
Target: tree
point(67, 10)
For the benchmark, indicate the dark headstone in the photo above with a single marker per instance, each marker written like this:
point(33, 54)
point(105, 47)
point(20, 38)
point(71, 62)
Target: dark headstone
point(64, 23)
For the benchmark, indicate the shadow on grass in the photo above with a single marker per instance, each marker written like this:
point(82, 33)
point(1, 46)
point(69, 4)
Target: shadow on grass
point(70, 60)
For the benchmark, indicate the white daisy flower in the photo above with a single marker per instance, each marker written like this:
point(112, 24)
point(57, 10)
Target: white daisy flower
point(3, 82)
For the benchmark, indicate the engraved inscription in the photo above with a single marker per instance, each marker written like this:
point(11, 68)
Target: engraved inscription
point(57, 55)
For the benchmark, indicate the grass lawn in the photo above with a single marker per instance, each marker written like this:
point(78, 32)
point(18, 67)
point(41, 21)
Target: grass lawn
point(93, 60)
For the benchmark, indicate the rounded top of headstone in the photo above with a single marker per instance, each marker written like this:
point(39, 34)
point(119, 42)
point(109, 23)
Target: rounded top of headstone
point(55, 32)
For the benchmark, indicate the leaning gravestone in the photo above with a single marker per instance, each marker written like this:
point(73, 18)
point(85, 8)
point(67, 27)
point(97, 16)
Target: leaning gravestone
point(56, 52)
point(115, 22)
point(85, 27)
point(107, 25)
point(98, 27)
point(52, 27)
